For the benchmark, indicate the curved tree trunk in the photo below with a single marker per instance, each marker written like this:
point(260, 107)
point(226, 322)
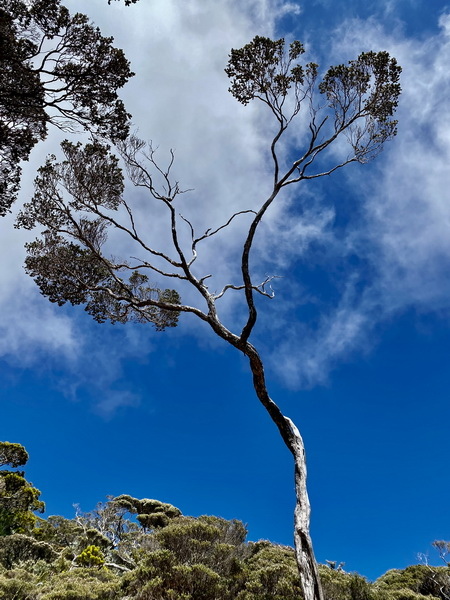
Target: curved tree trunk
point(306, 562)
point(311, 586)
point(309, 576)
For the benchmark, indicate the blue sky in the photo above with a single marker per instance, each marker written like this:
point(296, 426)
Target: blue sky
point(356, 341)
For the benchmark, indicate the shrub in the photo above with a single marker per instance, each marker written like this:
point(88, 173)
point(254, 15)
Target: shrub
point(91, 556)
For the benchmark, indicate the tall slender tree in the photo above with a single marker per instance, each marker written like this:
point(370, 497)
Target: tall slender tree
point(80, 198)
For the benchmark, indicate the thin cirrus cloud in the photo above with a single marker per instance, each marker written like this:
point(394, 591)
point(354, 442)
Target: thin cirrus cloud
point(404, 234)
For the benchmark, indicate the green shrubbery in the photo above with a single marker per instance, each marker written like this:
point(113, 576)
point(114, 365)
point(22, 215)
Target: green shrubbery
point(143, 549)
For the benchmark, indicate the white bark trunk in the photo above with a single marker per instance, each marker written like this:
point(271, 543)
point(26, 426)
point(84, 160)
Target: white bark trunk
point(309, 576)
point(307, 566)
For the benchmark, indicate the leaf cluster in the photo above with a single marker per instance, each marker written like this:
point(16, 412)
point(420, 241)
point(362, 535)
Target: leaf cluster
point(91, 556)
point(416, 582)
point(367, 87)
point(361, 97)
point(151, 514)
point(262, 69)
point(19, 499)
point(18, 548)
point(55, 68)
point(12, 454)
point(75, 201)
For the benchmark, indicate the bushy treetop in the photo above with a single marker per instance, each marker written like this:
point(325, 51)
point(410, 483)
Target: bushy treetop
point(55, 68)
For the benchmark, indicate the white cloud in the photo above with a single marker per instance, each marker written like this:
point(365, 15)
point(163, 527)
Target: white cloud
point(179, 99)
point(403, 236)
point(28, 322)
point(408, 212)
point(112, 400)
point(309, 364)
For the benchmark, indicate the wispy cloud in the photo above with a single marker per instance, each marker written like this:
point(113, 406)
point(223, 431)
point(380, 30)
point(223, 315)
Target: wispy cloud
point(402, 235)
point(28, 322)
point(179, 100)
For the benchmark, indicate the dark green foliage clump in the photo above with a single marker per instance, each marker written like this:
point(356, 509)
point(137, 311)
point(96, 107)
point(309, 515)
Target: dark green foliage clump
point(260, 70)
point(151, 514)
point(270, 572)
point(14, 455)
point(362, 96)
point(18, 548)
point(340, 585)
point(19, 500)
point(78, 584)
point(67, 263)
point(372, 80)
point(416, 582)
point(55, 68)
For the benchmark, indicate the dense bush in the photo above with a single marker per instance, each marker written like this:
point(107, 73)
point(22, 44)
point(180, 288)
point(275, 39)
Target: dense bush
point(114, 554)
point(415, 583)
point(339, 585)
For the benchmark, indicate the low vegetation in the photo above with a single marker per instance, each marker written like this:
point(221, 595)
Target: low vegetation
point(142, 549)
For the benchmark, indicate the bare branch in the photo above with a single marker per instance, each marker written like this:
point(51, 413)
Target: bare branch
point(323, 174)
point(208, 233)
point(261, 288)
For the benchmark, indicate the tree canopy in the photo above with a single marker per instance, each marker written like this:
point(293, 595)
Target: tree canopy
point(19, 500)
point(76, 199)
point(55, 68)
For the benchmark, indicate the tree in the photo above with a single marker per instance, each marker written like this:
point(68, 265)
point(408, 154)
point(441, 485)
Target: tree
point(191, 558)
point(339, 585)
point(92, 556)
point(79, 199)
point(416, 581)
point(18, 498)
point(17, 548)
point(270, 573)
point(55, 68)
point(151, 514)
point(14, 455)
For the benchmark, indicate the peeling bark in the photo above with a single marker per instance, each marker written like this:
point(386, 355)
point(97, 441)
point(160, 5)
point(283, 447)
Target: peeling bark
point(309, 575)
point(307, 565)
point(304, 553)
